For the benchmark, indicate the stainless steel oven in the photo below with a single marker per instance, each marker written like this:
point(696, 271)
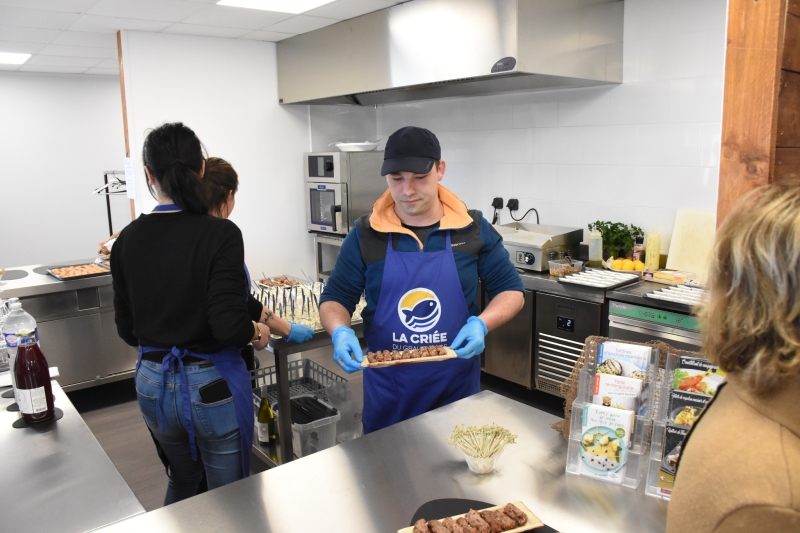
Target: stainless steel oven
point(340, 187)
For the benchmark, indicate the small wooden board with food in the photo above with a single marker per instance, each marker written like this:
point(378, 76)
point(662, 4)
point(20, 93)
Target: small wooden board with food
point(426, 354)
point(509, 518)
point(89, 270)
point(280, 281)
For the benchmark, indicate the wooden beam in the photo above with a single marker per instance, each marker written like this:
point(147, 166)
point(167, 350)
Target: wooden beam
point(787, 163)
point(788, 111)
point(791, 44)
point(750, 101)
point(124, 110)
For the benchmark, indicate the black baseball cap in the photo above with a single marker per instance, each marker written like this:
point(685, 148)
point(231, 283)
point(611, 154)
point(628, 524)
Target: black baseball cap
point(410, 149)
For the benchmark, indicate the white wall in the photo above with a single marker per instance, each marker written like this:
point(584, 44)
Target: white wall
point(58, 133)
point(631, 153)
point(226, 91)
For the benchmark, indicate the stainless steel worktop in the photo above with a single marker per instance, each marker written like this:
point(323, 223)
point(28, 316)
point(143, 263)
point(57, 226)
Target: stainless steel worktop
point(56, 477)
point(38, 281)
point(544, 282)
point(377, 482)
point(77, 330)
point(635, 294)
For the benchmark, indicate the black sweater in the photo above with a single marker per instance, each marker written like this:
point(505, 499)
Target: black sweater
point(179, 281)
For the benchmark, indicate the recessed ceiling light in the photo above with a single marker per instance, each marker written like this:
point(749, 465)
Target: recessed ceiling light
point(9, 58)
point(282, 6)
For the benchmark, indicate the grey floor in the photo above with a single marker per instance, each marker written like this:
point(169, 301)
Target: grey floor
point(112, 414)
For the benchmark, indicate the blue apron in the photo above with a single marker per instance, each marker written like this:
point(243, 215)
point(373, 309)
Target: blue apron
point(229, 364)
point(421, 304)
point(231, 367)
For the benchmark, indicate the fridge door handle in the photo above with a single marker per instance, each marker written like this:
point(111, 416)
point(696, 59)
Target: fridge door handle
point(652, 333)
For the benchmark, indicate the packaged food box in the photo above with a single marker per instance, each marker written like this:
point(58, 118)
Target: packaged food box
point(622, 359)
point(617, 391)
point(673, 444)
point(685, 407)
point(694, 374)
point(605, 439)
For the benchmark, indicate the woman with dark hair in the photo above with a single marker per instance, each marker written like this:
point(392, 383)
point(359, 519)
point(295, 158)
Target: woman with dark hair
point(740, 466)
point(220, 184)
point(179, 296)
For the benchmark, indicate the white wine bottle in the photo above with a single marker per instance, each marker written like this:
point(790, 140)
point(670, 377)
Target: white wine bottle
point(265, 422)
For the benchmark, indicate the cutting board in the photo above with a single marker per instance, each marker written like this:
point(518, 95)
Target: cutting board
point(692, 242)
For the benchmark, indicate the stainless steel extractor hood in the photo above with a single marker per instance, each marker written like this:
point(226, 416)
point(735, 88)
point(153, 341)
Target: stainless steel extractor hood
point(441, 48)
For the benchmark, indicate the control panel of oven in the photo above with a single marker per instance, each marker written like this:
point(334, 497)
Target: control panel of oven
point(526, 258)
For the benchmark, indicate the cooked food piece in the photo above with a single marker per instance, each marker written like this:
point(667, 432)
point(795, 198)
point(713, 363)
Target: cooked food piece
point(493, 520)
point(420, 526)
point(415, 354)
point(396, 355)
point(465, 527)
point(450, 524)
point(440, 350)
point(423, 352)
point(405, 355)
point(436, 527)
point(371, 357)
point(514, 512)
point(505, 522)
point(387, 355)
point(475, 520)
point(379, 357)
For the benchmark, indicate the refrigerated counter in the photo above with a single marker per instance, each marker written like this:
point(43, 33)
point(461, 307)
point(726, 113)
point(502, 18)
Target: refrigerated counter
point(76, 325)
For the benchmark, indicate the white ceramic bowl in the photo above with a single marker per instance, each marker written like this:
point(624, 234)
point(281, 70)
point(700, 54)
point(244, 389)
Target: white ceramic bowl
point(356, 147)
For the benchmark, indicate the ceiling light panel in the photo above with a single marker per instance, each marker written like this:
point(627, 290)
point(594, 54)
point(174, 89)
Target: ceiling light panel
point(11, 58)
point(281, 6)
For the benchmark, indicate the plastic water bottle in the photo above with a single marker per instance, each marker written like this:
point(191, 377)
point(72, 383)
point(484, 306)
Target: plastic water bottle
point(16, 320)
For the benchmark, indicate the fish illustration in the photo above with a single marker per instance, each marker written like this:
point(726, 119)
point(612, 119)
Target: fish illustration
point(425, 311)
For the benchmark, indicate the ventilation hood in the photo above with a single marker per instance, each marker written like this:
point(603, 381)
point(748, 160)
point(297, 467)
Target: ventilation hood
point(443, 48)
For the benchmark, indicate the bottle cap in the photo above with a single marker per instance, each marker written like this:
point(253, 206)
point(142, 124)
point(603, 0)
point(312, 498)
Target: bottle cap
point(14, 305)
point(640, 240)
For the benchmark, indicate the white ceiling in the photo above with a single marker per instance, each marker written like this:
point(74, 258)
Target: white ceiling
point(79, 36)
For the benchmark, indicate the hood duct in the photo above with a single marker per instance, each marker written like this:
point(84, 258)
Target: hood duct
point(427, 49)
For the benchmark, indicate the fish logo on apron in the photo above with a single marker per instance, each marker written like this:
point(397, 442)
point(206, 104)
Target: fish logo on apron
point(419, 310)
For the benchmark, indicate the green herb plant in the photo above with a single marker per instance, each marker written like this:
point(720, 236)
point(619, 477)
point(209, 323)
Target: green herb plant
point(618, 239)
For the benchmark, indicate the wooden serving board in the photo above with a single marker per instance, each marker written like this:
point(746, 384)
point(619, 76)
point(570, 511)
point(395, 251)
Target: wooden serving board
point(450, 355)
point(533, 520)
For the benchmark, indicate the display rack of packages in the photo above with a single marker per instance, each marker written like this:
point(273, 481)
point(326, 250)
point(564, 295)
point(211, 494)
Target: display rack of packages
point(689, 383)
point(612, 414)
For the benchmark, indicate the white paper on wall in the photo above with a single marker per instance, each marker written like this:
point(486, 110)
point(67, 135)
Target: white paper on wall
point(130, 178)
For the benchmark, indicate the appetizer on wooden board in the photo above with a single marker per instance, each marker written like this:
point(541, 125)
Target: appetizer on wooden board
point(509, 518)
point(426, 354)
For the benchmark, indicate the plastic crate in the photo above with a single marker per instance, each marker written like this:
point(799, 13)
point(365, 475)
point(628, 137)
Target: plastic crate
point(314, 436)
point(305, 377)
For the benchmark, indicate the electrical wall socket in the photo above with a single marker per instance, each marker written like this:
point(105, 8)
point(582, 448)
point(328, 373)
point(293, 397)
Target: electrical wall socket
point(513, 204)
point(497, 203)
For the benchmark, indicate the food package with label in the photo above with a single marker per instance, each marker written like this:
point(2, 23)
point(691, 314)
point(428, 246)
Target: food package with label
point(685, 407)
point(694, 374)
point(622, 359)
point(605, 440)
point(617, 391)
point(672, 277)
point(673, 444)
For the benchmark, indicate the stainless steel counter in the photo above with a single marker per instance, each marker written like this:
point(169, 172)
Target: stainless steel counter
point(76, 324)
point(544, 282)
point(635, 294)
point(57, 477)
point(377, 482)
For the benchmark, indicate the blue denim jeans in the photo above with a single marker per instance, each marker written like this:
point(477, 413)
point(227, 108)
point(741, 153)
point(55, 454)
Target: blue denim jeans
point(215, 427)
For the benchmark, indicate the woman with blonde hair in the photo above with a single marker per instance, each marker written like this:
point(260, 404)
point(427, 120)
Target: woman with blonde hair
point(740, 467)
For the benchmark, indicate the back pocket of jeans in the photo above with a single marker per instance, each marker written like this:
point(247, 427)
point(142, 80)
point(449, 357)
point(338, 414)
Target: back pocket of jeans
point(218, 418)
point(147, 405)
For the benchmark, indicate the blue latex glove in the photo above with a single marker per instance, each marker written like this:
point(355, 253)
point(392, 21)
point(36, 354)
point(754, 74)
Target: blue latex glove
point(469, 341)
point(300, 334)
point(346, 343)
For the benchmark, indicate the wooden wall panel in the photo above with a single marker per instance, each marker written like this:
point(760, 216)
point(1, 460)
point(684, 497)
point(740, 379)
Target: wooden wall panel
point(124, 110)
point(749, 119)
point(788, 111)
point(791, 44)
point(787, 163)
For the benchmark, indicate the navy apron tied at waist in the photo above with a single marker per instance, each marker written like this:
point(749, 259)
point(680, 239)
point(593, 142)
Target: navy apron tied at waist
point(232, 368)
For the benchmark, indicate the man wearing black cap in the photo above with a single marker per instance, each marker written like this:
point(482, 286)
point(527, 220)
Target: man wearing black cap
point(418, 256)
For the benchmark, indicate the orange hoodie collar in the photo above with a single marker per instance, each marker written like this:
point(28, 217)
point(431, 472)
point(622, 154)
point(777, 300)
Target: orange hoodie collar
point(385, 220)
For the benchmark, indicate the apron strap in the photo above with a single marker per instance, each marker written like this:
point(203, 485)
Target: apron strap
point(166, 364)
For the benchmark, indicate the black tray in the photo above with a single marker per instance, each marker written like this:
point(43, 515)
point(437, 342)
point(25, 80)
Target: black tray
point(71, 278)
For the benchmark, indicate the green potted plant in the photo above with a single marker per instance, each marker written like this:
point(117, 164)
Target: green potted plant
point(618, 238)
